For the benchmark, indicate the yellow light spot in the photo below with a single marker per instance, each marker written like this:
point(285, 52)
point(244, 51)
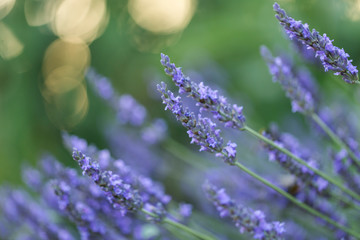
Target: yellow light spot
point(5, 7)
point(10, 46)
point(353, 10)
point(162, 16)
point(80, 19)
point(63, 88)
point(63, 79)
point(62, 53)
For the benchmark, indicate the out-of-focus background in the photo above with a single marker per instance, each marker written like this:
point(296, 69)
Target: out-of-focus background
point(46, 47)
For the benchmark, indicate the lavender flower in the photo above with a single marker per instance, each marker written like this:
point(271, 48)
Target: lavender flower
point(185, 210)
point(206, 98)
point(87, 194)
point(119, 194)
point(148, 189)
point(246, 219)
point(102, 84)
point(304, 176)
point(323, 205)
point(18, 208)
point(342, 164)
point(156, 132)
point(343, 124)
point(86, 220)
point(202, 131)
point(158, 212)
point(130, 111)
point(332, 57)
point(301, 99)
point(127, 109)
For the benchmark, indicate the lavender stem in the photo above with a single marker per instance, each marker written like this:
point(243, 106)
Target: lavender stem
point(301, 161)
point(296, 201)
point(334, 137)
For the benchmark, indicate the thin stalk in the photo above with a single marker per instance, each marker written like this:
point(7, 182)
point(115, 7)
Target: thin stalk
point(191, 231)
point(302, 162)
point(297, 202)
point(335, 138)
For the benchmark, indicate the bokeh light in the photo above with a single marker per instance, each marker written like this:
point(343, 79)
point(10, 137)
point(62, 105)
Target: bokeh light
point(10, 45)
point(38, 13)
point(80, 19)
point(62, 53)
point(162, 16)
point(63, 88)
point(5, 7)
point(353, 10)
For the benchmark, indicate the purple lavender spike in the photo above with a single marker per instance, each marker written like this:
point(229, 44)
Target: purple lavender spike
point(148, 189)
point(83, 190)
point(301, 99)
point(119, 194)
point(85, 218)
point(19, 208)
point(101, 84)
point(246, 219)
point(304, 176)
point(128, 110)
point(202, 131)
point(207, 99)
point(155, 132)
point(342, 164)
point(332, 57)
point(324, 206)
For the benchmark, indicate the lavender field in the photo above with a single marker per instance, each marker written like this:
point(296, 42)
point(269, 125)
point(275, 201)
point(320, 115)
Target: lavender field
point(179, 119)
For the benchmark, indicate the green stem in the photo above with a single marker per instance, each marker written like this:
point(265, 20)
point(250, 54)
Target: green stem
point(297, 202)
point(335, 138)
point(191, 231)
point(302, 162)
